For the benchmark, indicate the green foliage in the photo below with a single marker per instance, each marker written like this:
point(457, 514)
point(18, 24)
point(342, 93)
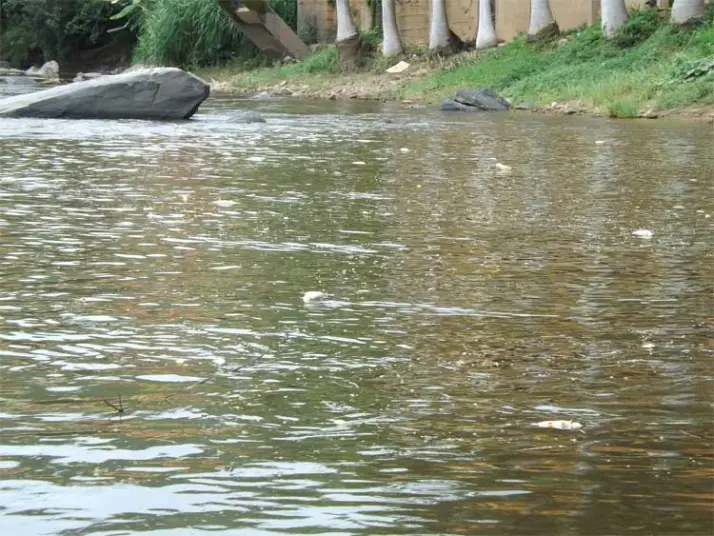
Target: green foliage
point(197, 33)
point(690, 70)
point(58, 28)
point(639, 27)
point(624, 108)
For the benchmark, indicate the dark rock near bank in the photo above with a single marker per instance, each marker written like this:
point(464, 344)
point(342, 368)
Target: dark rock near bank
point(247, 117)
point(482, 98)
point(450, 105)
point(158, 93)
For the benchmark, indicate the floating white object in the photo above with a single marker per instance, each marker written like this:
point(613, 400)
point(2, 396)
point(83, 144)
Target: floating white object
point(313, 295)
point(560, 425)
point(599, 142)
point(502, 167)
point(224, 203)
point(404, 150)
point(643, 233)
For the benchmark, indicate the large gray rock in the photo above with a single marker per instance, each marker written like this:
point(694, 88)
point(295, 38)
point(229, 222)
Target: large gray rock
point(476, 100)
point(159, 93)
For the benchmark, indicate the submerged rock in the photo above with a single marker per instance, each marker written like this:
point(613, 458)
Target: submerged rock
point(18, 85)
point(81, 77)
point(248, 117)
point(159, 93)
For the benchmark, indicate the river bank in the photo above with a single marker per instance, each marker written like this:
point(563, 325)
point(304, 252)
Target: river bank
point(651, 69)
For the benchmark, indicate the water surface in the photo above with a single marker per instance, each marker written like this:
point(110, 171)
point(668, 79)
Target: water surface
point(161, 374)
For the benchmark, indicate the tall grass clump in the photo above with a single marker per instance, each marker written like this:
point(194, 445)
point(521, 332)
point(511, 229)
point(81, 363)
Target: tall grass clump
point(197, 33)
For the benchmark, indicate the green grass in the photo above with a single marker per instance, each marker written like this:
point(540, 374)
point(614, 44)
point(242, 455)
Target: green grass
point(642, 67)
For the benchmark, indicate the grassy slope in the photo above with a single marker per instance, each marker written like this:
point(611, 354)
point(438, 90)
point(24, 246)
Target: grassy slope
point(645, 67)
point(642, 68)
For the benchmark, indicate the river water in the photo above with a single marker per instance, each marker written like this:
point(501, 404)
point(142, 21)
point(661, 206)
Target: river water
point(160, 372)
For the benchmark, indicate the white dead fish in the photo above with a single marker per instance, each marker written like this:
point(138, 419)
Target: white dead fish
point(503, 167)
point(643, 233)
point(559, 425)
point(313, 296)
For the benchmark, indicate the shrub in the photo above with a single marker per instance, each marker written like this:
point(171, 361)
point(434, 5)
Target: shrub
point(197, 33)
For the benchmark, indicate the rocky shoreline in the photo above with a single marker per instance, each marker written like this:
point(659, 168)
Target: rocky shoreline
point(387, 91)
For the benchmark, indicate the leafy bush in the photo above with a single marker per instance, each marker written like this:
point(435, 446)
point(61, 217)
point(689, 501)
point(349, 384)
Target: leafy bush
point(197, 33)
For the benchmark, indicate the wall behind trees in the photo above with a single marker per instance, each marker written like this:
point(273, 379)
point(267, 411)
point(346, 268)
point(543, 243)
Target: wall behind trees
point(512, 17)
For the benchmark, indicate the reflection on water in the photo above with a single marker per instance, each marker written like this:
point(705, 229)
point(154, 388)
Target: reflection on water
point(160, 371)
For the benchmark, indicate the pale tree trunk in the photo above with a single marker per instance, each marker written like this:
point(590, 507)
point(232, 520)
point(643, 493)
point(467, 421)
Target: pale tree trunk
point(542, 21)
point(614, 15)
point(391, 44)
point(345, 24)
point(439, 27)
point(685, 11)
point(349, 43)
point(441, 39)
point(486, 34)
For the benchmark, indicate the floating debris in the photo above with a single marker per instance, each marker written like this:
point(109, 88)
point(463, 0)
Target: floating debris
point(560, 425)
point(643, 233)
point(404, 150)
point(503, 167)
point(313, 295)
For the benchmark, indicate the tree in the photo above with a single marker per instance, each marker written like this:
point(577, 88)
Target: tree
point(391, 43)
point(441, 39)
point(542, 22)
point(346, 28)
point(486, 34)
point(686, 11)
point(614, 15)
point(348, 39)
